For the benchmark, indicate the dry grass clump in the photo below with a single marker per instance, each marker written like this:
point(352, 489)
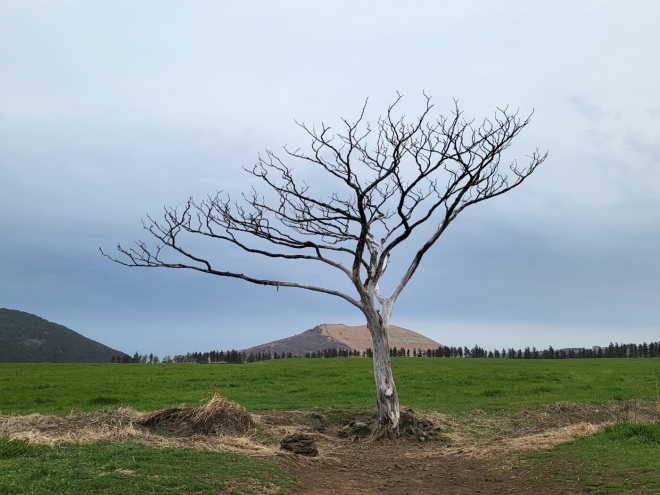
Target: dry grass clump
point(484, 433)
point(59, 429)
point(636, 410)
point(218, 416)
point(563, 414)
point(218, 425)
point(221, 425)
point(557, 415)
point(493, 449)
point(252, 485)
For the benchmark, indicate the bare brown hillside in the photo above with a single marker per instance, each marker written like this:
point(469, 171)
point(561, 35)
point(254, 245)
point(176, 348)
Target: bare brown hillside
point(358, 337)
point(340, 336)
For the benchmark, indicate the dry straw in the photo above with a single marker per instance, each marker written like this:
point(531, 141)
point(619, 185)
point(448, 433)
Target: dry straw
point(218, 425)
point(221, 425)
point(217, 416)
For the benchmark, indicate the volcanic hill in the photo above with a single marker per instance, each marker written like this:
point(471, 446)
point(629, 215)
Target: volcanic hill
point(340, 336)
point(26, 338)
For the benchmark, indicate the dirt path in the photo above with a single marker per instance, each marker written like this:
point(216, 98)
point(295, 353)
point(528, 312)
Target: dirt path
point(413, 468)
point(481, 454)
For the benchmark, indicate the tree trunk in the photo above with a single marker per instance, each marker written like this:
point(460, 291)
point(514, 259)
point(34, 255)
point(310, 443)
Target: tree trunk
point(386, 396)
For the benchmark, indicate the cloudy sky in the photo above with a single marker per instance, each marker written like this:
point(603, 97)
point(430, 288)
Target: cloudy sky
point(112, 110)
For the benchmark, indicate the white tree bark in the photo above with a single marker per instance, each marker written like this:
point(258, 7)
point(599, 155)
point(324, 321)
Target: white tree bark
point(387, 398)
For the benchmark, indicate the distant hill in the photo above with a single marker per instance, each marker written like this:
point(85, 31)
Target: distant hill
point(341, 336)
point(26, 338)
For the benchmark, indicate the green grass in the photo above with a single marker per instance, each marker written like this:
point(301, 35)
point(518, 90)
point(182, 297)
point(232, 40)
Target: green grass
point(622, 459)
point(107, 468)
point(447, 385)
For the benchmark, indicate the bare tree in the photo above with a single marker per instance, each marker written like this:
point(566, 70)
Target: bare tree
point(387, 181)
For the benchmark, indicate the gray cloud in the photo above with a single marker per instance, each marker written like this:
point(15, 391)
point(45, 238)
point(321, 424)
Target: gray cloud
point(111, 111)
point(645, 147)
point(585, 107)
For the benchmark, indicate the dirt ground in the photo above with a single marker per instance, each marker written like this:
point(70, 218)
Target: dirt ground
point(409, 468)
point(470, 453)
point(482, 453)
point(412, 467)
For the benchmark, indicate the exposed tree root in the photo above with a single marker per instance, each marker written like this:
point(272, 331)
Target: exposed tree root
point(383, 431)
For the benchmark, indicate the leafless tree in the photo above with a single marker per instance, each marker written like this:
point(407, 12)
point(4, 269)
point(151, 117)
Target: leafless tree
point(388, 180)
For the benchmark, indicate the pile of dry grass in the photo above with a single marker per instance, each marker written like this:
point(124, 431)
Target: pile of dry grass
point(419, 428)
point(557, 415)
point(72, 427)
point(218, 416)
point(495, 448)
point(218, 425)
point(636, 410)
point(564, 414)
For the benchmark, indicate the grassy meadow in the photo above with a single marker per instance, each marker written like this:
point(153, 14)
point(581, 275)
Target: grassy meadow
point(445, 385)
point(621, 459)
point(103, 468)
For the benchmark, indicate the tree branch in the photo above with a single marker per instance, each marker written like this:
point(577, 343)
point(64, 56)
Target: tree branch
point(390, 179)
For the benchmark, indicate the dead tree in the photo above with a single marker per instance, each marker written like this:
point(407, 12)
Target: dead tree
point(386, 181)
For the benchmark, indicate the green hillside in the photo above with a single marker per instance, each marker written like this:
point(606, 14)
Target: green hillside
point(26, 338)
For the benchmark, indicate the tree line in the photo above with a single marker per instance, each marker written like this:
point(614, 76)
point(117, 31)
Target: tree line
point(614, 350)
point(136, 358)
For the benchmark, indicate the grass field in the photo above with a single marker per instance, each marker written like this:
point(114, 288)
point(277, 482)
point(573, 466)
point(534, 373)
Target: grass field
point(622, 459)
point(446, 385)
point(103, 468)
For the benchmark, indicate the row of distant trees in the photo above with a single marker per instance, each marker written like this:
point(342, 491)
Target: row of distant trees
point(614, 350)
point(135, 358)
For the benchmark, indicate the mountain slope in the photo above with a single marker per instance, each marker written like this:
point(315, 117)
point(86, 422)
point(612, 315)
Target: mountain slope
point(341, 336)
point(26, 338)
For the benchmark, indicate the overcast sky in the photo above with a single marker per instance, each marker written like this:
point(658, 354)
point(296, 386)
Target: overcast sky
point(112, 110)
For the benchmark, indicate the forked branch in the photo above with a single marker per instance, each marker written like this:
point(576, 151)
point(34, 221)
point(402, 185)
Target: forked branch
point(382, 182)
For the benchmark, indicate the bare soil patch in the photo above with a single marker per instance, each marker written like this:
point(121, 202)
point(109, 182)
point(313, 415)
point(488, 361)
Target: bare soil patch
point(412, 468)
point(476, 452)
point(479, 452)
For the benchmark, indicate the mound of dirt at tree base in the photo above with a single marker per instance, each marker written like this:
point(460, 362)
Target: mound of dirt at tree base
point(411, 427)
